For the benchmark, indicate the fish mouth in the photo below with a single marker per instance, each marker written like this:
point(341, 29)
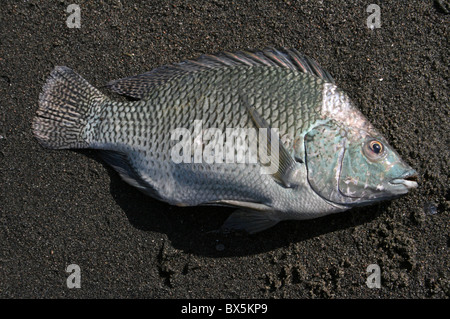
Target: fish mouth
point(408, 180)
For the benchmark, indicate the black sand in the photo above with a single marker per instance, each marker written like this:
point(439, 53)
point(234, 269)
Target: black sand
point(66, 207)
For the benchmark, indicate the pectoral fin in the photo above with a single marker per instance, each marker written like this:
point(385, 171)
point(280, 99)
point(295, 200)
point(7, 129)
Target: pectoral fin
point(287, 170)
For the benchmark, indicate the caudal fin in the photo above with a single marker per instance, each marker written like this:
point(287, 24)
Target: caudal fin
point(66, 104)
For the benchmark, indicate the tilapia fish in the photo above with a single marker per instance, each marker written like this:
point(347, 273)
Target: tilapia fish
point(267, 132)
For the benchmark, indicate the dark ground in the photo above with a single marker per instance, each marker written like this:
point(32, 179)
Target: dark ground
point(66, 207)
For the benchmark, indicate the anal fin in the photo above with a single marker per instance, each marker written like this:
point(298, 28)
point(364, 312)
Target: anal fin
point(120, 162)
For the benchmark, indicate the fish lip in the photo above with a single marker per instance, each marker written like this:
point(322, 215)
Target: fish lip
point(408, 179)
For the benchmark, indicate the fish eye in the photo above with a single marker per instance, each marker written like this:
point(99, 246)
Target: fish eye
point(374, 150)
point(376, 147)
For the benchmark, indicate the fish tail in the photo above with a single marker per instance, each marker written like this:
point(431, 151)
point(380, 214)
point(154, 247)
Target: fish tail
point(66, 105)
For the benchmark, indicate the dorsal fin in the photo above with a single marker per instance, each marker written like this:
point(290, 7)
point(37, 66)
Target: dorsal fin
point(141, 85)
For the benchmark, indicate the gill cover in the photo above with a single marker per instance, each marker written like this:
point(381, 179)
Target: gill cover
point(325, 149)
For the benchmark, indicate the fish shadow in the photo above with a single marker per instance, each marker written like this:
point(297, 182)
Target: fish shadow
point(195, 229)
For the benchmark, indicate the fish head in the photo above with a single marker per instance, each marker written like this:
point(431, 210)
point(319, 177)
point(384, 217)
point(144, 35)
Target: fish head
point(350, 166)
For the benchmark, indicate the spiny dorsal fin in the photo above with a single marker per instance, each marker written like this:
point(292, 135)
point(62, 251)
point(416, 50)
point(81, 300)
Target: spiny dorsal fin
point(141, 85)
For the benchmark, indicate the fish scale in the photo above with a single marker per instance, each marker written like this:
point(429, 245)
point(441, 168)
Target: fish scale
point(248, 80)
point(325, 145)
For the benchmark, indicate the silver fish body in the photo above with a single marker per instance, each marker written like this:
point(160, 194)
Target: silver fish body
point(329, 157)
